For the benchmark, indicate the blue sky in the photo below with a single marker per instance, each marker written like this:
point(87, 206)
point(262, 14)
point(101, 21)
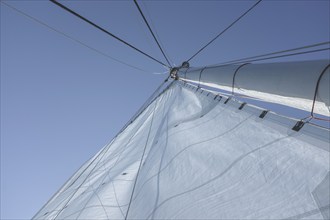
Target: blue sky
point(61, 102)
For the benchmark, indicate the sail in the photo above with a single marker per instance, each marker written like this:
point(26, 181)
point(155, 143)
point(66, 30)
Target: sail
point(193, 154)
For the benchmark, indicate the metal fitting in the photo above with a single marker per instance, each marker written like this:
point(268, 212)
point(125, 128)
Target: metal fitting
point(174, 73)
point(185, 64)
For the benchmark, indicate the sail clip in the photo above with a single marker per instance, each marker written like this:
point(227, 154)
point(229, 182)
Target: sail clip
point(263, 114)
point(298, 125)
point(242, 106)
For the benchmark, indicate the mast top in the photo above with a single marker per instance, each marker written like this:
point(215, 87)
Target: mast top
point(174, 71)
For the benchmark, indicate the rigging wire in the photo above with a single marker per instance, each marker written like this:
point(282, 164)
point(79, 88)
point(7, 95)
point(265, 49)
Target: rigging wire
point(277, 52)
point(71, 38)
point(152, 33)
point(146, 144)
point(148, 14)
point(316, 92)
point(105, 31)
point(280, 56)
point(267, 58)
point(152, 98)
point(142, 157)
point(222, 32)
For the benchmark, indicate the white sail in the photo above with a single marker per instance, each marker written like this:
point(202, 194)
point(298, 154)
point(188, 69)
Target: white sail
point(194, 155)
point(290, 83)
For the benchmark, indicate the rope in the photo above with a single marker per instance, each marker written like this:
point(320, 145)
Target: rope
point(200, 76)
point(277, 52)
point(273, 57)
point(105, 31)
point(152, 33)
point(288, 55)
point(152, 24)
point(321, 119)
point(222, 32)
point(234, 76)
point(315, 94)
point(71, 38)
point(142, 157)
point(146, 104)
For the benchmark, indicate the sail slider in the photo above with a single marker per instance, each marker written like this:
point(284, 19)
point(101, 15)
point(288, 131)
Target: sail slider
point(242, 106)
point(298, 125)
point(263, 114)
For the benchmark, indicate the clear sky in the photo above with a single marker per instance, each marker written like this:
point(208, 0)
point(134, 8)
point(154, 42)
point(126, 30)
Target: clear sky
point(61, 102)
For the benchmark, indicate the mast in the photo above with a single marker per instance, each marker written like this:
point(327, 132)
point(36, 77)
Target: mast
point(293, 84)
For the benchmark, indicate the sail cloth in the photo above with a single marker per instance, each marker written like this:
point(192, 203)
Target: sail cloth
point(201, 156)
point(289, 83)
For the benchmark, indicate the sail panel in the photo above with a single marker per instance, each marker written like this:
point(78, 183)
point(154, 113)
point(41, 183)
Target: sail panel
point(192, 154)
